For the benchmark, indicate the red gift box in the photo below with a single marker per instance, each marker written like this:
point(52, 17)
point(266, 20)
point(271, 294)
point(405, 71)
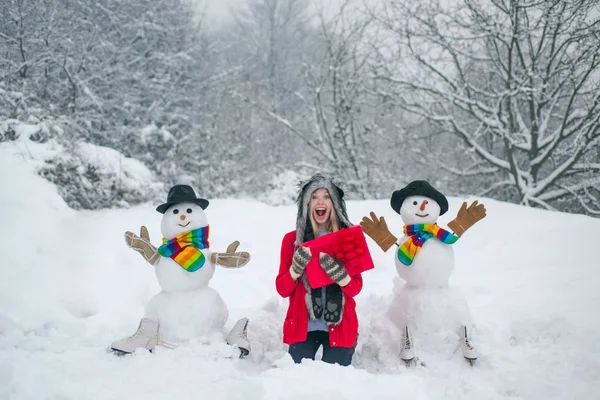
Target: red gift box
point(347, 244)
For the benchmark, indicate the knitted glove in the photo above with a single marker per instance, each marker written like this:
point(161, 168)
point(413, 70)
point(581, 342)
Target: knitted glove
point(302, 256)
point(142, 245)
point(231, 258)
point(467, 217)
point(334, 269)
point(378, 230)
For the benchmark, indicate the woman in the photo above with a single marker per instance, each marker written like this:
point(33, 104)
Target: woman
point(324, 316)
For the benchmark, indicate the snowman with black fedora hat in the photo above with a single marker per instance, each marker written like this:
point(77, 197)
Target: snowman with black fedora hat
point(186, 307)
point(424, 259)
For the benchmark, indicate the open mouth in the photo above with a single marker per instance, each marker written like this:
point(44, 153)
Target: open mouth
point(320, 211)
point(184, 225)
point(422, 216)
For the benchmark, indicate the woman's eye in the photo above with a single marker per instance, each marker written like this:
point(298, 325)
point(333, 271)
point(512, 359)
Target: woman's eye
point(189, 210)
point(175, 211)
point(326, 196)
point(415, 202)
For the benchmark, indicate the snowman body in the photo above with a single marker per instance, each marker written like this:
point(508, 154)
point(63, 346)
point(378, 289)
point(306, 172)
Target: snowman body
point(425, 302)
point(186, 307)
point(432, 266)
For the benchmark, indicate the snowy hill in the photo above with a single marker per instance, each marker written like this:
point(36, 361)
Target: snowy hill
point(69, 286)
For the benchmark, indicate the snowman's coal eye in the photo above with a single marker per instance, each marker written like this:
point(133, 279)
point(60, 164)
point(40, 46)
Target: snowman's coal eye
point(175, 211)
point(415, 202)
point(426, 202)
point(189, 210)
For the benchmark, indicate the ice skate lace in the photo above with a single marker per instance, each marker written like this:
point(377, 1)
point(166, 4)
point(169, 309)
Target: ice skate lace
point(468, 344)
point(407, 344)
point(244, 333)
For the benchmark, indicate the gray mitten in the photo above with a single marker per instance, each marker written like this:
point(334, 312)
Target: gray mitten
point(301, 258)
point(334, 269)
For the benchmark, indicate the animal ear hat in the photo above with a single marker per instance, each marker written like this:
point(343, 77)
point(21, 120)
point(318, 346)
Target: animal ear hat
point(418, 188)
point(303, 226)
point(181, 194)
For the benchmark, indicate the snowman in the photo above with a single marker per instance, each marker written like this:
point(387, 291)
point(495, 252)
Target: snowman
point(186, 307)
point(424, 260)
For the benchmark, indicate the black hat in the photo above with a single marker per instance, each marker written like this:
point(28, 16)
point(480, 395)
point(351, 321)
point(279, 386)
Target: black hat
point(181, 194)
point(418, 188)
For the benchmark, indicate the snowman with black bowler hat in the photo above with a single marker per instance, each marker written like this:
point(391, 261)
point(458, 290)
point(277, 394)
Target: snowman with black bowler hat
point(186, 307)
point(424, 259)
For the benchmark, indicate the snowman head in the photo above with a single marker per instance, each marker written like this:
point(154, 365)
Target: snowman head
point(419, 203)
point(419, 210)
point(183, 211)
point(182, 217)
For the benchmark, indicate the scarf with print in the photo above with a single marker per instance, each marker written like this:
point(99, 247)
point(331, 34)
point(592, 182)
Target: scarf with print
point(419, 234)
point(184, 249)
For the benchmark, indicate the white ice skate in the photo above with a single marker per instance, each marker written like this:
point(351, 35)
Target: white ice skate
point(145, 337)
point(468, 350)
point(239, 337)
point(407, 354)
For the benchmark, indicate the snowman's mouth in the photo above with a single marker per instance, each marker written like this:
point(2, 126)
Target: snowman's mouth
point(320, 211)
point(185, 224)
point(422, 216)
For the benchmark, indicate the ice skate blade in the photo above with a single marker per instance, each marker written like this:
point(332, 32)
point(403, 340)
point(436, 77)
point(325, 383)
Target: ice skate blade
point(118, 353)
point(414, 362)
point(243, 352)
point(121, 353)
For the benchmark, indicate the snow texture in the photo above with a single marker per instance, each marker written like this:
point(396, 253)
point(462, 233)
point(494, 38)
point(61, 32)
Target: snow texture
point(69, 286)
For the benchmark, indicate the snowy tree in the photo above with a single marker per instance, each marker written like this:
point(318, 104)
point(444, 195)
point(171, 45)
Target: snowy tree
point(110, 69)
point(334, 119)
point(266, 44)
point(515, 81)
point(273, 39)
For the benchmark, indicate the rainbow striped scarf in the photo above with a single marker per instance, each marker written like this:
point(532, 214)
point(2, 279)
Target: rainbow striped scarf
point(419, 234)
point(184, 249)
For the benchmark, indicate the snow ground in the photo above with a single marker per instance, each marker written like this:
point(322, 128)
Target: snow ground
point(69, 286)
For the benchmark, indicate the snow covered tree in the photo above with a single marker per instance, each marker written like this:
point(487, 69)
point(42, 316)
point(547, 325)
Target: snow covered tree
point(335, 116)
point(265, 45)
point(111, 71)
point(272, 37)
point(517, 82)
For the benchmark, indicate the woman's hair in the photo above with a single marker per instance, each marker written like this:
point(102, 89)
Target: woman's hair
point(306, 227)
point(332, 223)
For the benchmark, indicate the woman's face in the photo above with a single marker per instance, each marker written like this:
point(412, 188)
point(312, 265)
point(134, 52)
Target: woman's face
point(321, 206)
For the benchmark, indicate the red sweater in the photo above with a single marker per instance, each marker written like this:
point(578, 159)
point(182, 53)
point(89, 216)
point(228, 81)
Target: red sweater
point(295, 326)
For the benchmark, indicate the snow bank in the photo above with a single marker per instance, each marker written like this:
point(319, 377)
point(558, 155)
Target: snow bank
point(69, 286)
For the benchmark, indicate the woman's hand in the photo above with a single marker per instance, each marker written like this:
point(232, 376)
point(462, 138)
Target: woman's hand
point(334, 269)
point(301, 258)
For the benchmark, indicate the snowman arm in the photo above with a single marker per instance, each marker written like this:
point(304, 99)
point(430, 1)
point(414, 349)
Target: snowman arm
point(285, 283)
point(467, 217)
point(231, 258)
point(142, 245)
point(376, 228)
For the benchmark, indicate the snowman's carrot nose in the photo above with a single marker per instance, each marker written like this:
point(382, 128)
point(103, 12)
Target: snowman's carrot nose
point(422, 208)
point(182, 217)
